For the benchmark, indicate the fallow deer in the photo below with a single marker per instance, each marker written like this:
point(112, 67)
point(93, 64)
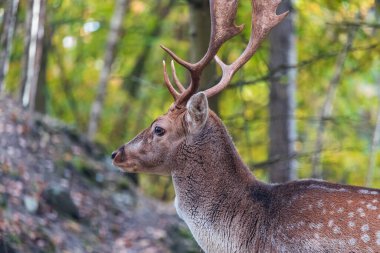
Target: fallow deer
point(225, 207)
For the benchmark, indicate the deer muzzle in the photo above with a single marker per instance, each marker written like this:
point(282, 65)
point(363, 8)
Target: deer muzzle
point(119, 156)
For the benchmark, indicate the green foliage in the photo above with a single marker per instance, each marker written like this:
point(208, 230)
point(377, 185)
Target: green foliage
point(73, 70)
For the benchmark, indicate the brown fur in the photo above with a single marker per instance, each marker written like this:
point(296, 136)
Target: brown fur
point(228, 210)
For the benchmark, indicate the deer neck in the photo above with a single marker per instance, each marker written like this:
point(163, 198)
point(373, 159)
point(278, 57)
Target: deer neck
point(210, 181)
point(211, 160)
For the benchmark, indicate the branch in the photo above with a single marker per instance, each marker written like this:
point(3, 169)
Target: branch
point(356, 24)
point(301, 64)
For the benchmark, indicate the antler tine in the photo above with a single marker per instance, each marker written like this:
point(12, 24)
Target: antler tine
point(223, 28)
point(176, 80)
point(184, 63)
point(168, 84)
point(264, 18)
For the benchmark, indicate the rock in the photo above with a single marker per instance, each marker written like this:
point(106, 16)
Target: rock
point(31, 204)
point(5, 247)
point(60, 200)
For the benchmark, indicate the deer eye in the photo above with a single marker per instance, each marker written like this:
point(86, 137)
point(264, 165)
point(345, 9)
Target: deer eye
point(159, 131)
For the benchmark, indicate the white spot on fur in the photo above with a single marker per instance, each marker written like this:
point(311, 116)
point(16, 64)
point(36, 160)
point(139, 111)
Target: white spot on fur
point(371, 207)
point(351, 224)
point(336, 230)
point(300, 224)
point(374, 193)
point(361, 212)
point(351, 215)
point(352, 241)
point(340, 210)
point(316, 236)
point(365, 238)
point(365, 228)
point(378, 237)
point(320, 203)
point(317, 226)
point(349, 201)
point(331, 223)
point(375, 201)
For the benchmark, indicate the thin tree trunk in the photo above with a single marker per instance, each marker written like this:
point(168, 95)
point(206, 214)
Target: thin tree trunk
point(25, 58)
point(34, 52)
point(112, 41)
point(6, 39)
point(200, 29)
point(40, 100)
point(327, 107)
point(376, 131)
point(282, 128)
point(374, 143)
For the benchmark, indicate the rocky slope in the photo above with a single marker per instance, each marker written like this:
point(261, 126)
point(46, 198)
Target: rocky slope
point(60, 193)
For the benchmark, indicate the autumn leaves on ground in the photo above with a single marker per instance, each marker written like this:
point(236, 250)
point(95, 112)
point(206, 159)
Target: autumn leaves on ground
point(60, 193)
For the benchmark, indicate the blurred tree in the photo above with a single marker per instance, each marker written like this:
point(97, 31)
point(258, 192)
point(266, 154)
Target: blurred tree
point(110, 52)
point(327, 107)
point(199, 30)
point(35, 24)
point(6, 38)
point(376, 130)
point(282, 127)
point(41, 93)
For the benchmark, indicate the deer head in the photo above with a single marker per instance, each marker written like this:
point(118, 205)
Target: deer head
point(155, 149)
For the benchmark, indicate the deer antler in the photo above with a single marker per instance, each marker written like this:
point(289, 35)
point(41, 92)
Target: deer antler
point(223, 28)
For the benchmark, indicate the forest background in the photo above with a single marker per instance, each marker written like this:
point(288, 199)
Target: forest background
point(307, 105)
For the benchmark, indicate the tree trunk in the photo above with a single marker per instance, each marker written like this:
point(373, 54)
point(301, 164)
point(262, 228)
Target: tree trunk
point(25, 57)
point(6, 38)
point(282, 128)
point(112, 41)
point(200, 29)
point(34, 52)
point(327, 107)
point(40, 104)
point(376, 131)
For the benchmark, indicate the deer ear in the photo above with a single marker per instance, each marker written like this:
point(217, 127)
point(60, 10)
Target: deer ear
point(197, 112)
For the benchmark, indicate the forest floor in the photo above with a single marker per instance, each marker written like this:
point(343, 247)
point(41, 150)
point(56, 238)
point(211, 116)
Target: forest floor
point(60, 193)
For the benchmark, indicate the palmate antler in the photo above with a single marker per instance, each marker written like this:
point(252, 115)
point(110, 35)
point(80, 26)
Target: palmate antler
point(223, 28)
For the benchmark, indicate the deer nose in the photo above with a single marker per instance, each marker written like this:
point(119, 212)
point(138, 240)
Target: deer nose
point(115, 153)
